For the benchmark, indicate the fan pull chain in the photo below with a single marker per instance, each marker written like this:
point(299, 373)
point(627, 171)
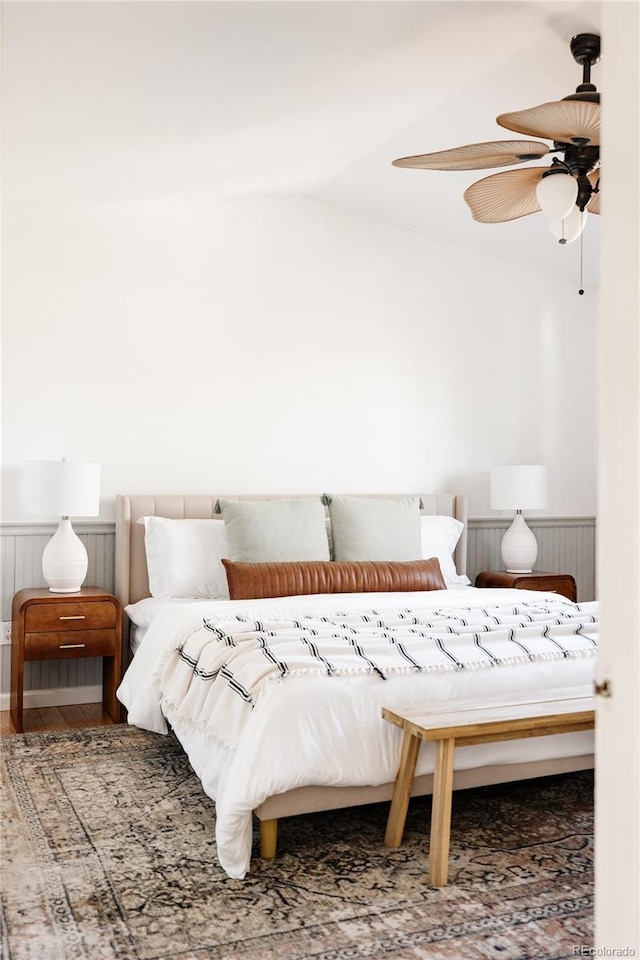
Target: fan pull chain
point(581, 290)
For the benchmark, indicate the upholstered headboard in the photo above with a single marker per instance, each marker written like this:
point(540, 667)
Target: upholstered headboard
point(132, 582)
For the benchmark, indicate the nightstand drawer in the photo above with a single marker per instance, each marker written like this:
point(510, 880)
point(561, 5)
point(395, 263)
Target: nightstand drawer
point(563, 585)
point(58, 645)
point(66, 616)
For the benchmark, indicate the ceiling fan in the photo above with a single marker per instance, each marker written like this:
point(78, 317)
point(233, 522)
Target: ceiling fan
point(566, 190)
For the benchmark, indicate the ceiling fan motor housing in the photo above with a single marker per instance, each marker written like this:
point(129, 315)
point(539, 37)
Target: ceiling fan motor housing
point(585, 48)
point(580, 158)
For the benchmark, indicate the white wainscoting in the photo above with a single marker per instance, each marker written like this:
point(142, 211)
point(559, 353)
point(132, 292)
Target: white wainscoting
point(565, 545)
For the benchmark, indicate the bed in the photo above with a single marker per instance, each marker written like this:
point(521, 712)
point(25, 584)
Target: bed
point(312, 736)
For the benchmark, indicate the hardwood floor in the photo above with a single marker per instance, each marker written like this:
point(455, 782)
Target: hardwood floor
point(57, 718)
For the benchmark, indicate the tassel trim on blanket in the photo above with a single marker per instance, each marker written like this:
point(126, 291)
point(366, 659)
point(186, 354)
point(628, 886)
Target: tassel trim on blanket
point(218, 669)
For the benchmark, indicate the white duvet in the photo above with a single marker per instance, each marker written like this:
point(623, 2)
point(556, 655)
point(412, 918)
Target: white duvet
point(307, 728)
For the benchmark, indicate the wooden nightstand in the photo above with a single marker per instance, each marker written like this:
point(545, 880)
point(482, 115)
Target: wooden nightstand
point(59, 626)
point(562, 583)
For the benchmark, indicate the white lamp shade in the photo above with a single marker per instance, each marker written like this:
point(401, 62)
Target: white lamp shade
point(569, 229)
point(557, 194)
point(519, 487)
point(63, 488)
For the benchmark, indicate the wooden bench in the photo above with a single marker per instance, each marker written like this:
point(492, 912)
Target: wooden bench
point(464, 724)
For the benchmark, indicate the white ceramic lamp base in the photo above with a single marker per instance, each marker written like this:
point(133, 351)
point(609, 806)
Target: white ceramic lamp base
point(519, 547)
point(65, 561)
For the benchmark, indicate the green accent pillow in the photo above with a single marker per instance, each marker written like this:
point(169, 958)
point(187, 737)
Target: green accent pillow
point(261, 531)
point(375, 528)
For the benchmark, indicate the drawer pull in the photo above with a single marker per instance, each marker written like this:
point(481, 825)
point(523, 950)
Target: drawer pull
point(71, 646)
point(77, 617)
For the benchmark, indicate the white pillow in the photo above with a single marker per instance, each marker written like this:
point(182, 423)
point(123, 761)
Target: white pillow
point(184, 557)
point(440, 536)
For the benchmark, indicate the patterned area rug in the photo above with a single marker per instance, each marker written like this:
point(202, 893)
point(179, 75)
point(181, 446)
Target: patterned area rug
point(108, 852)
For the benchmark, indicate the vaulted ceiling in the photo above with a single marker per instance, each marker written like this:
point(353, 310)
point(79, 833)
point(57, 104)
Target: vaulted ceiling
point(133, 101)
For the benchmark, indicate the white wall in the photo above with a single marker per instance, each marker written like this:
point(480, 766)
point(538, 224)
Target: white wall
point(286, 346)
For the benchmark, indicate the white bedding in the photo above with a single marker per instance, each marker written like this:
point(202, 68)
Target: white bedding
point(309, 729)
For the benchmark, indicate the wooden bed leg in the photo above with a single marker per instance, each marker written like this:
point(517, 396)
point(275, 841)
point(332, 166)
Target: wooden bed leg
point(268, 838)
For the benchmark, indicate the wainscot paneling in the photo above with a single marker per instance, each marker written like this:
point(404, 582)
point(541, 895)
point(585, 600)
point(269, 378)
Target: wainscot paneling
point(564, 545)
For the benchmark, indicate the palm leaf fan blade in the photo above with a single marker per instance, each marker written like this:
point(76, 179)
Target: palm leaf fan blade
point(564, 121)
point(505, 196)
point(594, 203)
point(477, 156)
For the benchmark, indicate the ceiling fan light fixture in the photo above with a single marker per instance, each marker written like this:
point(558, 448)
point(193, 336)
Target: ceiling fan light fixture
point(569, 229)
point(557, 193)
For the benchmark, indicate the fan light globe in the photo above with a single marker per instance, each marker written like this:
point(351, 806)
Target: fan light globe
point(557, 194)
point(569, 229)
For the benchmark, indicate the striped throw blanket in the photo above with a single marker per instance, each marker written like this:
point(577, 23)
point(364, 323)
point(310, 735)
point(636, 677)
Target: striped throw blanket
point(214, 676)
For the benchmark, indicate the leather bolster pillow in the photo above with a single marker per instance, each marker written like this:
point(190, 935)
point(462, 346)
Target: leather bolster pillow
point(255, 581)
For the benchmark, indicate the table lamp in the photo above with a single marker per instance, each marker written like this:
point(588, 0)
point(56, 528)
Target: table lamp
point(519, 488)
point(64, 488)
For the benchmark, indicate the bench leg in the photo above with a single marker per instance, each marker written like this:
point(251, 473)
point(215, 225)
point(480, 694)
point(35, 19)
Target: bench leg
point(441, 814)
point(402, 790)
point(268, 838)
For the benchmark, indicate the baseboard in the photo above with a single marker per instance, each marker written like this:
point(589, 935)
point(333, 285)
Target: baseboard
point(59, 697)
